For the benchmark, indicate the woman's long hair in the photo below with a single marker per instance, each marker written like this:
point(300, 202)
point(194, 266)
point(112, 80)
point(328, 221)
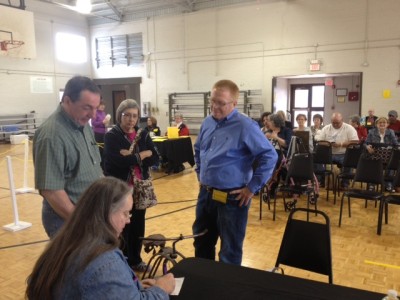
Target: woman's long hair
point(87, 234)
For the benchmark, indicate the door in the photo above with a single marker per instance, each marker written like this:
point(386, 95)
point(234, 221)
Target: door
point(307, 99)
point(117, 98)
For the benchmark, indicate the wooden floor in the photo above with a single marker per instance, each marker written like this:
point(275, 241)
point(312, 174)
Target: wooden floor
point(361, 258)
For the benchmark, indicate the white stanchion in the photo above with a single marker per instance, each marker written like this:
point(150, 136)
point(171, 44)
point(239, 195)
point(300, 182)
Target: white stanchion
point(17, 225)
point(25, 189)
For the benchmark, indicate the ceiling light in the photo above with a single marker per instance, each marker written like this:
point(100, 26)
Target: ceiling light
point(83, 6)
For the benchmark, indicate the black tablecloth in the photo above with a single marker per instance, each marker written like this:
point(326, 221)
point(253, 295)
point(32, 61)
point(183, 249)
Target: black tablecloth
point(209, 280)
point(177, 151)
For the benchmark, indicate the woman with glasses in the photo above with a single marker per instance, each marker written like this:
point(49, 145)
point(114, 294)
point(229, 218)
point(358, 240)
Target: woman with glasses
point(120, 161)
point(83, 260)
point(280, 136)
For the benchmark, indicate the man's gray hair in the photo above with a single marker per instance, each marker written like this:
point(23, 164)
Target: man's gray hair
point(128, 103)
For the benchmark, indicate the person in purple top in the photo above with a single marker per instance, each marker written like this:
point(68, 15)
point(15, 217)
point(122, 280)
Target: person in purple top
point(99, 125)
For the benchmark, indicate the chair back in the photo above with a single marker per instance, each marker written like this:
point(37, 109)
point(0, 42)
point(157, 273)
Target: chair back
point(300, 168)
point(396, 181)
point(307, 245)
point(323, 152)
point(369, 170)
point(352, 155)
point(394, 161)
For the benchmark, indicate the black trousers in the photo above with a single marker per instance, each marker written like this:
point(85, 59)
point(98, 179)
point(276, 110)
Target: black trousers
point(99, 137)
point(131, 245)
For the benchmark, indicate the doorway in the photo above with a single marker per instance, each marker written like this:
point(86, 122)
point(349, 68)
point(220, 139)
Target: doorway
point(117, 98)
point(307, 99)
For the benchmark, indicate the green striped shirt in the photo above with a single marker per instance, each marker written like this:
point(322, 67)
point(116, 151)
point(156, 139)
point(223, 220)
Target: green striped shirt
point(65, 155)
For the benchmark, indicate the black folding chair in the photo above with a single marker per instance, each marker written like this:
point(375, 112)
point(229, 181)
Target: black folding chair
point(389, 199)
point(299, 180)
point(392, 167)
point(306, 245)
point(323, 155)
point(369, 171)
point(350, 161)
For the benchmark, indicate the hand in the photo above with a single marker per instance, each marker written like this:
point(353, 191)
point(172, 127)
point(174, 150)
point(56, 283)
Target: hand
point(149, 282)
point(244, 196)
point(370, 149)
point(145, 154)
point(125, 152)
point(166, 282)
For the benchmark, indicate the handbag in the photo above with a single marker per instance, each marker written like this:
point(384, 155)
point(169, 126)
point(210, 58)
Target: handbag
point(143, 190)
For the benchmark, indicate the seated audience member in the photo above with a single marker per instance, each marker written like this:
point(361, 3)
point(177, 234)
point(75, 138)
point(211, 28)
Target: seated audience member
point(83, 260)
point(340, 135)
point(318, 121)
point(381, 135)
point(152, 127)
point(280, 137)
point(265, 121)
point(174, 167)
point(370, 119)
point(282, 114)
point(301, 121)
point(361, 130)
point(394, 124)
point(183, 129)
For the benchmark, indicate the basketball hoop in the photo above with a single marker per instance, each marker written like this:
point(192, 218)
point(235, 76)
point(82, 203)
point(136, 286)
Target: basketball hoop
point(10, 44)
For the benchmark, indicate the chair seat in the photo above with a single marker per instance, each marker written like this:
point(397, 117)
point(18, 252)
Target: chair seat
point(296, 189)
point(365, 194)
point(393, 199)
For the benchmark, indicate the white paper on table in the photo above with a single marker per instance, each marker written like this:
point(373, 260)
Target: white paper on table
point(178, 286)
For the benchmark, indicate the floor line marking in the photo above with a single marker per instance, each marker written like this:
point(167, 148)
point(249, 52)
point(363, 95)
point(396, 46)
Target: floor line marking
point(381, 264)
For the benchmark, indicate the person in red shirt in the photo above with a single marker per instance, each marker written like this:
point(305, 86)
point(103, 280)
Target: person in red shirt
point(362, 132)
point(394, 124)
point(183, 129)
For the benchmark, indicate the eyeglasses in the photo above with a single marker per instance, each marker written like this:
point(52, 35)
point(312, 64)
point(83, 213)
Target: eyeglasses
point(127, 214)
point(219, 103)
point(130, 116)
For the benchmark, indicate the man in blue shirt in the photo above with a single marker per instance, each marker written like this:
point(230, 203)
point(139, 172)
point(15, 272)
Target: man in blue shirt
point(226, 147)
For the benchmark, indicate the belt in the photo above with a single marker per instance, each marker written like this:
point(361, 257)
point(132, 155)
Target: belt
point(210, 188)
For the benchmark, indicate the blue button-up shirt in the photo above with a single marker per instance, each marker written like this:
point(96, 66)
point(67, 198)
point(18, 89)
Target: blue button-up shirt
point(225, 151)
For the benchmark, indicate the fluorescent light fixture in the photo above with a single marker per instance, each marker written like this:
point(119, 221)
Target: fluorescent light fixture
point(83, 6)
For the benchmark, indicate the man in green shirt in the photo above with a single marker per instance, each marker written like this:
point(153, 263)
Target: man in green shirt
point(65, 153)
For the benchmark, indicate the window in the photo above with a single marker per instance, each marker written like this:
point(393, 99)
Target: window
point(71, 48)
point(116, 50)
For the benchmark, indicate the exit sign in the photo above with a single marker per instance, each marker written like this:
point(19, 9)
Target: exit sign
point(315, 66)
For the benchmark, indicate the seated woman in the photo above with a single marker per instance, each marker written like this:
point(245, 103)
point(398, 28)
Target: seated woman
point(361, 130)
point(381, 135)
point(301, 121)
point(83, 261)
point(280, 137)
point(152, 127)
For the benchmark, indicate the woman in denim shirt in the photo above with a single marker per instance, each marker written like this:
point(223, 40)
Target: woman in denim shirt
point(83, 260)
point(381, 135)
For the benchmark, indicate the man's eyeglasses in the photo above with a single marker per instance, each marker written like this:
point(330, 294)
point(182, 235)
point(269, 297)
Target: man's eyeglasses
point(219, 103)
point(129, 116)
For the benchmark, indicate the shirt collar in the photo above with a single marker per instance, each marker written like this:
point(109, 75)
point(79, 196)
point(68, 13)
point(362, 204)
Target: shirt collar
point(228, 117)
point(68, 118)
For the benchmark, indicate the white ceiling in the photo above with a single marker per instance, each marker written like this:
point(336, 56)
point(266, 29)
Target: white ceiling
point(107, 11)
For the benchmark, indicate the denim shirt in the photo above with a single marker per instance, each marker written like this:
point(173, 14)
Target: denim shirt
point(107, 277)
point(226, 149)
point(389, 137)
